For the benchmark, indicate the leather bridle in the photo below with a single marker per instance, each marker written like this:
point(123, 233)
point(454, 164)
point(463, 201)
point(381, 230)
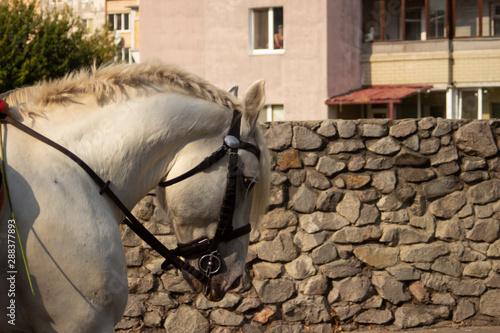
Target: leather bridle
point(210, 261)
point(206, 249)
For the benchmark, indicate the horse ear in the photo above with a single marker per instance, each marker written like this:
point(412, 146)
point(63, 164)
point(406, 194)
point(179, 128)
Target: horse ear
point(255, 97)
point(234, 91)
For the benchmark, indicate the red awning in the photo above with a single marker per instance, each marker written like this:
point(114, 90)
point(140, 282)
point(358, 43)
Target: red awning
point(377, 95)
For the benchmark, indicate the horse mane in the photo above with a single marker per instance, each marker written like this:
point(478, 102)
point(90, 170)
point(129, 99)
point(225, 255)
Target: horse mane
point(113, 82)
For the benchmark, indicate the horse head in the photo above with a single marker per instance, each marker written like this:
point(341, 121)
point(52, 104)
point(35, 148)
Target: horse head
point(195, 203)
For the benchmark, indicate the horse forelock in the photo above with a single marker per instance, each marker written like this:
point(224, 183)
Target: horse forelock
point(116, 82)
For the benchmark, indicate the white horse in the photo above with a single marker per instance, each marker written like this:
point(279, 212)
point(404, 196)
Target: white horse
point(135, 125)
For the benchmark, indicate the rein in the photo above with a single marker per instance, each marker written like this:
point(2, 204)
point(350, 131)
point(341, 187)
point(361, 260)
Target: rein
point(210, 262)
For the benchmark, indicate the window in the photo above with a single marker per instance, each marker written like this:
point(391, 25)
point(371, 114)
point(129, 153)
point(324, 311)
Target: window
point(393, 20)
point(125, 55)
point(414, 28)
point(371, 20)
point(266, 30)
point(119, 22)
point(495, 110)
point(467, 20)
point(437, 19)
point(88, 24)
point(495, 19)
point(388, 20)
point(468, 102)
point(272, 113)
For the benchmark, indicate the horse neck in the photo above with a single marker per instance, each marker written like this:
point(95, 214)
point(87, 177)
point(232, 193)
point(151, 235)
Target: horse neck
point(134, 144)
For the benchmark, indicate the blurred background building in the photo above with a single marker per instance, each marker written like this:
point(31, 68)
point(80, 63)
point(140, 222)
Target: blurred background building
point(324, 58)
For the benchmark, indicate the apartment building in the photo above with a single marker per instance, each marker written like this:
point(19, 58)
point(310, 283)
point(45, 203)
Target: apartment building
point(427, 58)
point(121, 15)
point(365, 58)
point(232, 42)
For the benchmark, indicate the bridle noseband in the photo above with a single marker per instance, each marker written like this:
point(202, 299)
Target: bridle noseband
point(210, 262)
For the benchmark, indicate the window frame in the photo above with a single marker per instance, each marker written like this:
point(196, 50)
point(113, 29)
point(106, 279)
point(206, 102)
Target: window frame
point(122, 21)
point(450, 22)
point(270, 33)
point(479, 17)
point(272, 112)
point(88, 24)
point(493, 16)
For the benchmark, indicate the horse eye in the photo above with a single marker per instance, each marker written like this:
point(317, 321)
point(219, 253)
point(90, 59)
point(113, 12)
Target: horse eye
point(249, 182)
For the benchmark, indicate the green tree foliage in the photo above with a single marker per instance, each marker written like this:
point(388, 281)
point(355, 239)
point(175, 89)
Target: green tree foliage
point(39, 44)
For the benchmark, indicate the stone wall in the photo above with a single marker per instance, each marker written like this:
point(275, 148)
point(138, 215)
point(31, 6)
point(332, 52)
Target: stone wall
point(390, 223)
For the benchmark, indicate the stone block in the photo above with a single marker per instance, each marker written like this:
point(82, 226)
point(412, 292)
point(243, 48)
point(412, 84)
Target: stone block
point(186, 319)
point(423, 252)
point(327, 129)
point(324, 254)
point(346, 128)
point(345, 146)
point(274, 291)
point(305, 139)
point(377, 256)
point(444, 155)
point(374, 317)
point(409, 315)
point(341, 268)
point(384, 146)
point(329, 166)
point(489, 303)
point(479, 269)
point(306, 241)
point(448, 206)
point(319, 221)
point(279, 218)
point(448, 265)
point(304, 200)
point(385, 181)
point(486, 230)
point(279, 137)
point(349, 207)
point(308, 309)
point(280, 249)
point(225, 317)
point(373, 130)
point(390, 288)
point(356, 235)
point(403, 128)
point(289, 160)
point(441, 187)
point(301, 267)
point(353, 289)
point(476, 138)
point(404, 272)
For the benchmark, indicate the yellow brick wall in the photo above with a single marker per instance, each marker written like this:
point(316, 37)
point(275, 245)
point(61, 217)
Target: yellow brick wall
point(480, 66)
point(476, 66)
point(406, 68)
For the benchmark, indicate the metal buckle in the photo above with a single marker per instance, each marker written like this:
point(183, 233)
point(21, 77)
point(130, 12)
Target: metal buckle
point(210, 264)
point(232, 141)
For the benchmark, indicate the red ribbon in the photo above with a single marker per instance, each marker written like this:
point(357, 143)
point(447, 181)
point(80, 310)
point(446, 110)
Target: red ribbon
point(4, 107)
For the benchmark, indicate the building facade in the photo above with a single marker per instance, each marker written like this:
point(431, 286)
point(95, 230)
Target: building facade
point(419, 57)
point(450, 49)
point(232, 42)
